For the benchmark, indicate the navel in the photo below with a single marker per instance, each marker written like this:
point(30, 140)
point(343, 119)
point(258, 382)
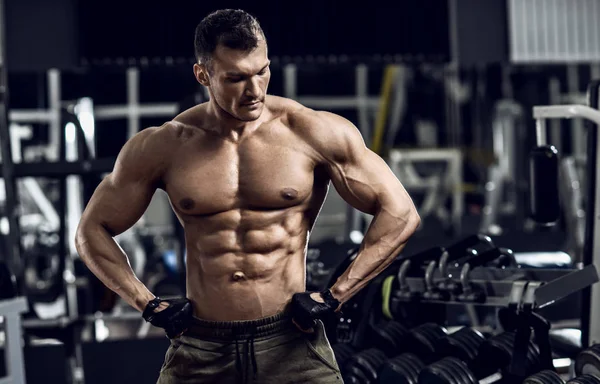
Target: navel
point(289, 193)
point(186, 203)
point(237, 276)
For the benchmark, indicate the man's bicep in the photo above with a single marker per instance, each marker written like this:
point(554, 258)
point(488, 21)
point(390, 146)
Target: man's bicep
point(122, 197)
point(118, 204)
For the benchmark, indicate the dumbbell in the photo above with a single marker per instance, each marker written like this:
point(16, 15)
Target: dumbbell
point(470, 246)
point(342, 352)
point(393, 338)
point(588, 361)
point(585, 379)
point(402, 369)
point(390, 340)
point(495, 355)
point(408, 351)
point(449, 370)
point(465, 291)
point(364, 366)
point(544, 377)
point(405, 368)
point(428, 341)
point(482, 359)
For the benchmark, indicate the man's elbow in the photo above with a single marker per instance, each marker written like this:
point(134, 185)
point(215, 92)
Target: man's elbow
point(81, 236)
point(86, 230)
point(414, 220)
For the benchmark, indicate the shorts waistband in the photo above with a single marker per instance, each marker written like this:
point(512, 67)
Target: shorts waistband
point(240, 329)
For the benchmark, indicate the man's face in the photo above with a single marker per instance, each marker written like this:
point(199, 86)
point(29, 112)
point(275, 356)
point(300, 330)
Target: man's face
point(239, 80)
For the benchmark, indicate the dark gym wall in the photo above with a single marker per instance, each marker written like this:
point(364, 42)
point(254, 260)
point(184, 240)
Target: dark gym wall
point(41, 34)
point(481, 31)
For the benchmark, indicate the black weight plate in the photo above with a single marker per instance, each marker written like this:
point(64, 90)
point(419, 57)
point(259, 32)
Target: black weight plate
point(453, 347)
point(552, 377)
point(414, 363)
point(356, 377)
point(432, 333)
point(434, 374)
point(399, 370)
point(473, 342)
point(451, 370)
point(588, 361)
point(362, 362)
point(460, 344)
point(506, 343)
point(532, 354)
point(384, 341)
point(492, 356)
point(398, 335)
point(419, 343)
point(446, 367)
point(474, 337)
point(585, 379)
point(544, 377)
point(532, 357)
point(397, 330)
point(394, 372)
point(373, 360)
point(467, 377)
point(342, 353)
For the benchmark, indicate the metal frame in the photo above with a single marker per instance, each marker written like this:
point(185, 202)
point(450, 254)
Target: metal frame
point(13, 354)
point(503, 176)
point(590, 323)
point(400, 162)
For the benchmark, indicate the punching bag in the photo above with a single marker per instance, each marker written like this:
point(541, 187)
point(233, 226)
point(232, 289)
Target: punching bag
point(543, 176)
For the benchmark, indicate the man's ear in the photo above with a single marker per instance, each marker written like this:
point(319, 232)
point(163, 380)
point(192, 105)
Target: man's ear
point(201, 74)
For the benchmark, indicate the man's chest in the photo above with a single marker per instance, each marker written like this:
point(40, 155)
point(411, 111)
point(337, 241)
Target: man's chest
point(255, 174)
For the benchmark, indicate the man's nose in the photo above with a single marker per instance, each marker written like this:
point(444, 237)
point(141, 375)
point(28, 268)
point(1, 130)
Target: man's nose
point(252, 88)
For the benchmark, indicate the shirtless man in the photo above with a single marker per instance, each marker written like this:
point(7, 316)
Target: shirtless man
point(246, 174)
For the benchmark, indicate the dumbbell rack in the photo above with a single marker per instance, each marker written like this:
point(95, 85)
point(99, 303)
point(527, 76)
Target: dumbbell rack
point(517, 292)
point(540, 287)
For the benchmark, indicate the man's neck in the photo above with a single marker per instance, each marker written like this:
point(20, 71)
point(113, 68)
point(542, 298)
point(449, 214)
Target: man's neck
point(228, 126)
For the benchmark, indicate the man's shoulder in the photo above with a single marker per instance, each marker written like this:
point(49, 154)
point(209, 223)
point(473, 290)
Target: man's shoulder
point(328, 133)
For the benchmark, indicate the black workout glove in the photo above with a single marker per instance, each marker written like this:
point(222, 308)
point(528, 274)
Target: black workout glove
point(305, 310)
point(175, 319)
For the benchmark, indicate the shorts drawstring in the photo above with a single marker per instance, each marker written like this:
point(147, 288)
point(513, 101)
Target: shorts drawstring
point(242, 367)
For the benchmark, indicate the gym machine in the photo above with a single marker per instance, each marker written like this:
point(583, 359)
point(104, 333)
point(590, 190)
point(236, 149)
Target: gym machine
point(545, 188)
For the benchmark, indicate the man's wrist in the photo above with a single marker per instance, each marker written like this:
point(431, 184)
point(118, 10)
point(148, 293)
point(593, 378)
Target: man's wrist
point(142, 301)
point(330, 299)
point(336, 293)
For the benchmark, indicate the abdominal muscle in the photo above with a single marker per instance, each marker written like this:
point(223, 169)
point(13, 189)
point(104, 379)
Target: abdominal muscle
point(247, 271)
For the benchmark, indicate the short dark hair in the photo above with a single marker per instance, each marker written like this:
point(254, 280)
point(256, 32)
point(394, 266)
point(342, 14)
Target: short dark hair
point(233, 28)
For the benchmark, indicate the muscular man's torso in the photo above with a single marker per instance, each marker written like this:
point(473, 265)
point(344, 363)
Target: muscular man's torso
point(246, 206)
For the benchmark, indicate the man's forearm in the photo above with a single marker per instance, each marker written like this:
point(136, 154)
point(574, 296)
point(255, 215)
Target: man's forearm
point(103, 256)
point(386, 237)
